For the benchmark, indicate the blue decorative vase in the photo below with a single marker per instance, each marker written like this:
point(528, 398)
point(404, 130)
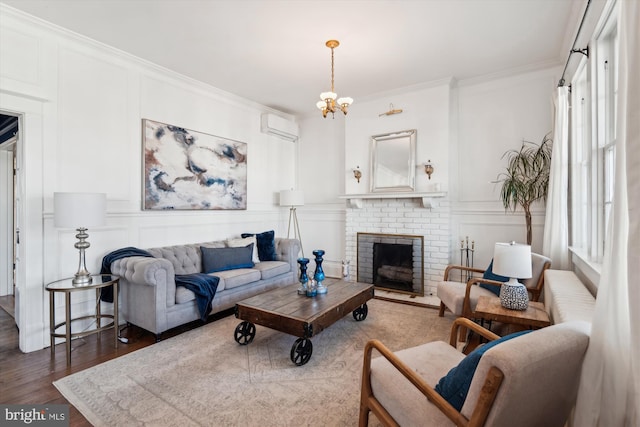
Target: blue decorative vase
point(304, 279)
point(318, 275)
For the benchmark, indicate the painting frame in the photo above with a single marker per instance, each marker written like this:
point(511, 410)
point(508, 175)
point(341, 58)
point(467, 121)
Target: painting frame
point(185, 169)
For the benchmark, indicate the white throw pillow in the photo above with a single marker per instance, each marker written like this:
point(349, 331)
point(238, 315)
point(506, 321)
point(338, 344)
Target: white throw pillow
point(239, 243)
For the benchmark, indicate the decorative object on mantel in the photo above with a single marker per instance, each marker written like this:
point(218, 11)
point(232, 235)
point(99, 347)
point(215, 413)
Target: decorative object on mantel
point(357, 174)
point(318, 275)
point(304, 278)
point(328, 103)
point(391, 111)
point(527, 178)
point(184, 169)
point(428, 168)
point(514, 261)
point(80, 211)
point(293, 198)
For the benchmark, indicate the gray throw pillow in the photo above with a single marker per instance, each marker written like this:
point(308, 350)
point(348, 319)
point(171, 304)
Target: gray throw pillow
point(221, 259)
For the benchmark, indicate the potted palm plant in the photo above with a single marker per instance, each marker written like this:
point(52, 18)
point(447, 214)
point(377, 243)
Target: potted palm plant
point(526, 179)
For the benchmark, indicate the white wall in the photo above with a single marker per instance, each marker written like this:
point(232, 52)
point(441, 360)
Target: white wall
point(495, 116)
point(425, 109)
point(322, 178)
point(92, 100)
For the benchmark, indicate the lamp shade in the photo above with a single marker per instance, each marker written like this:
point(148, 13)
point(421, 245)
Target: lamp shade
point(512, 260)
point(291, 198)
point(79, 210)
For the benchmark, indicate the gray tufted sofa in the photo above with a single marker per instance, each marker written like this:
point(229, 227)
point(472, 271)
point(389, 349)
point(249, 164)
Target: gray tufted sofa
point(150, 299)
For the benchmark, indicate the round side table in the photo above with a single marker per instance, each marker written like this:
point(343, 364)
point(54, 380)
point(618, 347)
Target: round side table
point(66, 286)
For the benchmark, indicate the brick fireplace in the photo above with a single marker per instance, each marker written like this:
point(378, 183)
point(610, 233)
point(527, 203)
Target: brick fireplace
point(401, 217)
point(391, 261)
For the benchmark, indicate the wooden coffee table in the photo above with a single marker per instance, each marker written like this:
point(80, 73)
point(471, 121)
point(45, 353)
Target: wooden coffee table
point(534, 317)
point(284, 310)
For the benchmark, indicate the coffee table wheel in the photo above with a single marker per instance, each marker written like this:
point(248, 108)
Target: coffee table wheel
point(361, 312)
point(245, 332)
point(301, 351)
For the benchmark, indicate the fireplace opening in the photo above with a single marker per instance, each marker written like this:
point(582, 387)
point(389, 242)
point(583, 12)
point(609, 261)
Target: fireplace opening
point(393, 266)
point(392, 262)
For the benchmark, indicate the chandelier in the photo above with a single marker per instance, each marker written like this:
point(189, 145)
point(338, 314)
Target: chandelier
point(329, 104)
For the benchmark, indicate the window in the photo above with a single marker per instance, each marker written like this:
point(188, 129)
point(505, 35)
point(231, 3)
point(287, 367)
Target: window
point(580, 160)
point(593, 141)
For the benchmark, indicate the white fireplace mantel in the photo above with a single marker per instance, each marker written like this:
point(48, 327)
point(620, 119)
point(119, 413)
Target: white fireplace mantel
point(355, 200)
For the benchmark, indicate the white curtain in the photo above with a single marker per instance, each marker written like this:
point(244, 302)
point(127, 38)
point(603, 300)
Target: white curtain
point(555, 244)
point(609, 394)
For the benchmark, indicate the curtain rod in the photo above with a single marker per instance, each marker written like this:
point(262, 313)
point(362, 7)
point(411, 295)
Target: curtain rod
point(573, 50)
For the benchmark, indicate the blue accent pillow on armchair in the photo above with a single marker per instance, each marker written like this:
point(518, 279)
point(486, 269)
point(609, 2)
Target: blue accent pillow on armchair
point(454, 386)
point(488, 274)
point(266, 245)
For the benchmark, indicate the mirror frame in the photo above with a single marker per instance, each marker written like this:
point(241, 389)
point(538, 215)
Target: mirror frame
point(377, 160)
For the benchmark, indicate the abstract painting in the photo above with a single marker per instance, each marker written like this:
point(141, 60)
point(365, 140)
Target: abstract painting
point(188, 170)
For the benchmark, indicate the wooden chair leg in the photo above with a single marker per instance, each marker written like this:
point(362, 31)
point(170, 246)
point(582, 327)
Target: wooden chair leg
point(442, 308)
point(363, 421)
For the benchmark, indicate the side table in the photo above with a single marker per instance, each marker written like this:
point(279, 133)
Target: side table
point(534, 317)
point(66, 286)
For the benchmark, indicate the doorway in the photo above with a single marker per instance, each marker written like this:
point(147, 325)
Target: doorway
point(9, 230)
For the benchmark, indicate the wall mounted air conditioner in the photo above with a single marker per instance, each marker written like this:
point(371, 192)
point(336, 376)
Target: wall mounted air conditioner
point(280, 127)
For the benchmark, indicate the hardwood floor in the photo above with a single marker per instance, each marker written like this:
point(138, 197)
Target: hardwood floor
point(26, 378)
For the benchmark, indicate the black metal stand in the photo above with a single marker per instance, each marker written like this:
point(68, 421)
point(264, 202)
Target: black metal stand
point(466, 257)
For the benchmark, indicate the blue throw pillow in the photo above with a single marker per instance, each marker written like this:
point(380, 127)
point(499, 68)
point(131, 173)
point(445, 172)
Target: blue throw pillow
point(266, 245)
point(221, 259)
point(455, 385)
point(488, 274)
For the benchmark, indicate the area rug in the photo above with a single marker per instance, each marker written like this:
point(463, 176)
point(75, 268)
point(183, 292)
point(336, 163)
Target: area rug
point(204, 378)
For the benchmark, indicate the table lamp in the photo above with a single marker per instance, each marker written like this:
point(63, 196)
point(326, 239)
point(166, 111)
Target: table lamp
point(80, 211)
point(514, 261)
point(293, 198)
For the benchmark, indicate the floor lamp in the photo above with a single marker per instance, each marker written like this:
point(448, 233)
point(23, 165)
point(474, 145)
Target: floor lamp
point(293, 198)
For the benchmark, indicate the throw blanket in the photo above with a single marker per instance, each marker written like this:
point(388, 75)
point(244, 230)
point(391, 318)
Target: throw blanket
point(106, 294)
point(202, 285)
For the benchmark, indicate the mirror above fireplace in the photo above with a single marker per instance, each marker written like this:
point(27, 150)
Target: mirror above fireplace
point(393, 161)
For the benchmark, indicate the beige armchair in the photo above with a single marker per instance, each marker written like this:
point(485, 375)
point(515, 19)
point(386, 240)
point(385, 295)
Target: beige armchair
point(530, 380)
point(462, 298)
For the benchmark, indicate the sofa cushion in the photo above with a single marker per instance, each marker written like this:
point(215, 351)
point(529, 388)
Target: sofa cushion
point(184, 295)
point(566, 298)
point(242, 242)
point(221, 259)
point(269, 269)
point(455, 385)
point(266, 245)
point(238, 277)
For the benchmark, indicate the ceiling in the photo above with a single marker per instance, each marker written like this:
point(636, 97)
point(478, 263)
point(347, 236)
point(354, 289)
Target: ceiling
point(273, 51)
